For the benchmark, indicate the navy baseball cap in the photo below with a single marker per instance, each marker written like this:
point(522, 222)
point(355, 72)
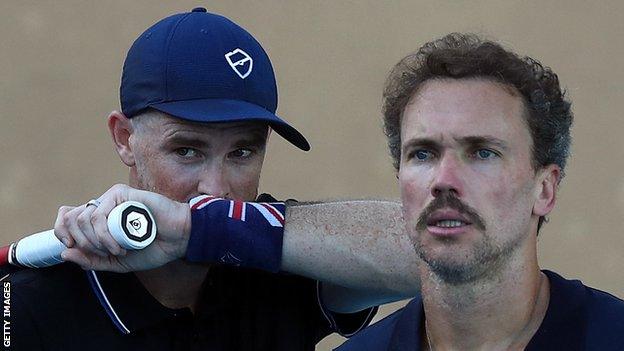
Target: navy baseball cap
point(202, 67)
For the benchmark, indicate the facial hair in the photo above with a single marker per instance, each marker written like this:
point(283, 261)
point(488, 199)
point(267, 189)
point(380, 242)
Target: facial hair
point(483, 259)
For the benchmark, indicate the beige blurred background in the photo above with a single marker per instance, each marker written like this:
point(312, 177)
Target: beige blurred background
point(60, 63)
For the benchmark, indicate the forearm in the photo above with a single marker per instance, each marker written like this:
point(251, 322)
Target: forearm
point(359, 249)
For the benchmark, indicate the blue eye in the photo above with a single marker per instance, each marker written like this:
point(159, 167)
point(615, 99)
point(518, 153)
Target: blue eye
point(485, 154)
point(241, 153)
point(186, 152)
point(422, 155)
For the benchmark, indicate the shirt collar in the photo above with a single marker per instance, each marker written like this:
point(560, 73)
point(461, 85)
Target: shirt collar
point(563, 326)
point(408, 330)
point(126, 301)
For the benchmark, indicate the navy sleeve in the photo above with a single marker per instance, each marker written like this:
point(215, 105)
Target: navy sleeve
point(345, 324)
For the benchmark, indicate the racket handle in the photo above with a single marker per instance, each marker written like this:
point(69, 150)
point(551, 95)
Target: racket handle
point(131, 224)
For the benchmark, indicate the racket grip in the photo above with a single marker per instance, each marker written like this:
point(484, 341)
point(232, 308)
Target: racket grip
point(131, 224)
point(38, 250)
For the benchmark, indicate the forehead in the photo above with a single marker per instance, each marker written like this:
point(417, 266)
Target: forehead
point(167, 126)
point(456, 108)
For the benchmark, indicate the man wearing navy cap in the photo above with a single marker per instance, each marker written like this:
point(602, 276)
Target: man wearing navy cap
point(480, 139)
point(198, 102)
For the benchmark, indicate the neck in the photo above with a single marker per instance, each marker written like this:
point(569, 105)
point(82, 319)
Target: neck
point(177, 284)
point(498, 312)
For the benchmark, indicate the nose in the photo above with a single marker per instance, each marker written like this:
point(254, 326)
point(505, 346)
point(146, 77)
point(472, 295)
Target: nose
point(448, 177)
point(214, 181)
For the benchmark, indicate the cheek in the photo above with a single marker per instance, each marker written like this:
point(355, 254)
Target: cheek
point(414, 193)
point(166, 178)
point(511, 197)
point(244, 182)
point(176, 185)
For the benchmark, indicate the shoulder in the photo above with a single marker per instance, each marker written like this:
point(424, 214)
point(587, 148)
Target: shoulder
point(597, 303)
point(605, 318)
point(36, 300)
point(45, 278)
point(604, 304)
point(262, 288)
point(376, 336)
point(46, 290)
point(601, 313)
point(264, 197)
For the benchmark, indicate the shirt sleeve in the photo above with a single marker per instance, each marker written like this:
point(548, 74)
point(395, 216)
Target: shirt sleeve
point(345, 324)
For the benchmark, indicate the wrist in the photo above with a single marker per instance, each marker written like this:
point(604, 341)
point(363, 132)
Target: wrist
point(185, 233)
point(236, 233)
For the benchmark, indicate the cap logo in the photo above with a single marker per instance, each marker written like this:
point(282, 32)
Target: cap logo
point(240, 62)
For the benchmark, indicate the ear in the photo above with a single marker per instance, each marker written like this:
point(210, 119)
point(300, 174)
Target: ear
point(121, 129)
point(546, 190)
point(270, 130)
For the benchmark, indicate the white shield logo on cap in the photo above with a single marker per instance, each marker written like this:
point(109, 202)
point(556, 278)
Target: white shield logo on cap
point(240, 62)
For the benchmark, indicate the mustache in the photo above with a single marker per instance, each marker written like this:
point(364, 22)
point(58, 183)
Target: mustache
point(447, 200)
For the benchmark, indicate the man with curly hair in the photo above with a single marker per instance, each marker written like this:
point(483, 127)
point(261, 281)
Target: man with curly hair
point(480, 138)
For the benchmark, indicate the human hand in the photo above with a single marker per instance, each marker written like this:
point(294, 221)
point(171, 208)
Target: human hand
point(84, 231)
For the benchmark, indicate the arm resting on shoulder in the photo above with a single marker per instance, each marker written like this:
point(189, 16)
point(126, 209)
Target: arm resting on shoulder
point(358, 250)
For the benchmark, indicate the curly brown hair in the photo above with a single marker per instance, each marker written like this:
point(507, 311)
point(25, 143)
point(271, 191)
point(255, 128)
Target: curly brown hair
point(457, 56)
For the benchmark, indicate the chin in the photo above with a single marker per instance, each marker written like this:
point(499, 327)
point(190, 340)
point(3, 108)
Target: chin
point(456, 264)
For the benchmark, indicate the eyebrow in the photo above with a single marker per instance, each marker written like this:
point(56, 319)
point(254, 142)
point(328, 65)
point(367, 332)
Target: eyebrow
point(256, 139)
point(483, 140)
point(181, 139)
point(473, 140)
point(420, 142)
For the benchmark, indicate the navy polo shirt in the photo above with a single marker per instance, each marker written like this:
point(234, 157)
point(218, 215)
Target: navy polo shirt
point(63, 308)
point(578, 318)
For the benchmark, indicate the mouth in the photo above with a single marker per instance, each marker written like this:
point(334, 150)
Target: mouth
point(447, 217)
point(446, 222)
point(449, 223)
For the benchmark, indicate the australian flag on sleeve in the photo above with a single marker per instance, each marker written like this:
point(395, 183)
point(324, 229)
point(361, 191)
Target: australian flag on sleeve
point(236, 233)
